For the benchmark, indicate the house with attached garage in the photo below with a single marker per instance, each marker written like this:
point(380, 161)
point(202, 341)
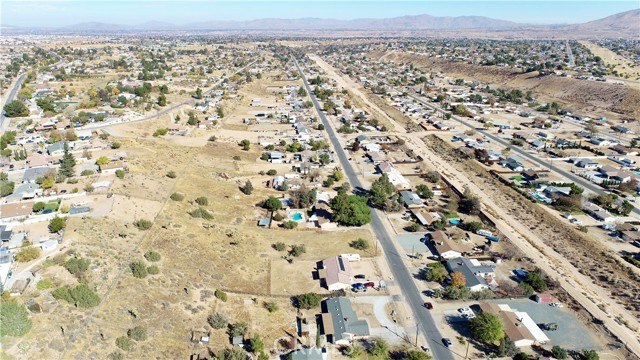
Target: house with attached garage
point(411, 200)
point(446, 247)
point(335, 273)
point(340, 324)
point(478, 277)
point(586, 164)
point(518, 326)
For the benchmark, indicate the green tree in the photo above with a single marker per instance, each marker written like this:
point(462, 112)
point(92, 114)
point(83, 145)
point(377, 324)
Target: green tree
point(473, 226)
point(350, 210)
point(16, 108)
point(238, 329)
point(57, 223)
point(381, 189)
point(302, 92)
point(80, 296)
point(77, 265)
point(416, 355)
point(559, 352)
point(486, 327)
point(68, 163)
point(198, 94)
point(435, 272)
point(162, 100)
point(423, 191)
point(124, 343)
point(272, 204)
point(39, 206)
point(14, 319)
point(256, 345)
point(247, 189)
point(246, 144)
point(590, 355)
point(152, 256)
point(536, 280)
point(308, 300)
point(6, 188)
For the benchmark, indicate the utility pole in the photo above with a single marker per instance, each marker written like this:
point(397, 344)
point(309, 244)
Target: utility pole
point(417, 330)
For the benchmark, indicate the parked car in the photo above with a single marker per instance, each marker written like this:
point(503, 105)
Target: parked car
point(358, 287)
point(370, 284)
point(428, 305)
point(360, 276)
point(556, 304)
point(447, 342)
point(468, 316)
point(465, 311)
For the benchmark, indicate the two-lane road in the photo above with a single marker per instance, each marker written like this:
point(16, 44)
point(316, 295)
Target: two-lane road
point(402, 276)
point(10, 98)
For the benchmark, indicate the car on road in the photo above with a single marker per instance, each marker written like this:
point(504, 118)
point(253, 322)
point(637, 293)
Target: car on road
point(428, 305)
point(447, 342)
point(360, 276)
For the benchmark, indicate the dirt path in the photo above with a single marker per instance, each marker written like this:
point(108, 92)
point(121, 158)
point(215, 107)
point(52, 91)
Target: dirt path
point(580, 287)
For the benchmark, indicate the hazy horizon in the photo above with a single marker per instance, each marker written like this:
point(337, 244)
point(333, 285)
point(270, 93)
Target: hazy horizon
point(64, 13)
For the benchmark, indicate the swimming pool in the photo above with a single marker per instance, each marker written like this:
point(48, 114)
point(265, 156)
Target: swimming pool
point(296, 216)
point(542, 198)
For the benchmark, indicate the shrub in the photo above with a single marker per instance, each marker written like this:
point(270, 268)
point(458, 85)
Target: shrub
point(176, 197)
point(80, 296)
point(65, 209)
point(143, 224)
point(160, 132)
point(236, 158)
point(280, 246)
point(28, 254)
point(297, 250)
point(289, 224)
point(278, 217)
point(272, 172)
point(39, 206)
point(14, 319)
point(202, 200)
point(120, 174)
point(87, 172)
point(137, 333)
point(378, 348)
point(360, 244)
point(124, 343)
point(213, 138)
point(76, 265)
point(152, 256)
point(44, 284)
point(201, 213)
point(153, 270)
point(172, 174)
point(473, 226)
point(413, 227)
point(57, 223)
point(218, 320)
point(308, 300)
point(115, 145)
point(138, 269)
point(271, 306)
point(220, 295)
point(116, 355)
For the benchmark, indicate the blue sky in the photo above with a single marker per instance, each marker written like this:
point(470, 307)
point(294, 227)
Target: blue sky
point(60, 13)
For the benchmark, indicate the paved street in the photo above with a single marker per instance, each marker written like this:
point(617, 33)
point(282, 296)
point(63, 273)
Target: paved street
point(400, 272)
point(11, 97)
point(515, 149)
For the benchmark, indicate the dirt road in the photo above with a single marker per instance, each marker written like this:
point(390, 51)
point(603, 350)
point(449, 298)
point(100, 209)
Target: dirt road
point(578, 286)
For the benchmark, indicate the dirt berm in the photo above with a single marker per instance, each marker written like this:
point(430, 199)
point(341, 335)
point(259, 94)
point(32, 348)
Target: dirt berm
point(578, 95)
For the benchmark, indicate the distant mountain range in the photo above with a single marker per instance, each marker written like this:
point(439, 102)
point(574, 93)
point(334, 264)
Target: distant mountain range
point(627, 23)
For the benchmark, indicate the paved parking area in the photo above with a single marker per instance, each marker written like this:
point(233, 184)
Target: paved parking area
point(411, 243)
point(571, 333)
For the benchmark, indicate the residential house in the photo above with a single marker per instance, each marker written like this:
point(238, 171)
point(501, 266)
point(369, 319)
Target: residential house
point(598, 213)
point(25, 191)
point(56, 149)
point(15, 211)
point(340, 324)
point(335, 273)
point(307, 354)
point(411, 199)
point(112, 167)
point(477, 276)
point(586, 164)
point(6, 262)
point(618, 175)
point(424, 217)
point(514, 163)
point(555, 191)
point(445, 247)
point(31, 175)
point(518, 326)
point(623, 150)
point(37, 160)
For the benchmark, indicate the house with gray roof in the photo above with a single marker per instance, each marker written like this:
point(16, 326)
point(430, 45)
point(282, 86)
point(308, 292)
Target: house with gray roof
point(30, 175)
point(340, 324)
point(56, 148)
point(411, 199)
point(24, 191)
point(307, 354)
point(477, 276)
